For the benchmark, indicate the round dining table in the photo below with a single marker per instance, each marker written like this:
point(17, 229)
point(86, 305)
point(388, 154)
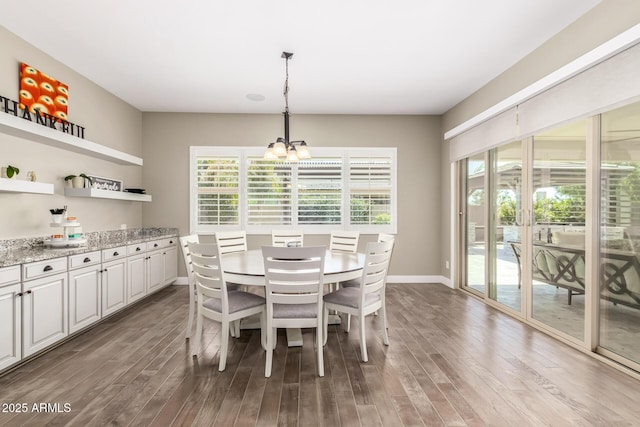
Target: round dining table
point(247, 268)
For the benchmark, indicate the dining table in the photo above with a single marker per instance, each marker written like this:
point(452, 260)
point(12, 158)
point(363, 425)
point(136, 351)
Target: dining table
point(247, 268)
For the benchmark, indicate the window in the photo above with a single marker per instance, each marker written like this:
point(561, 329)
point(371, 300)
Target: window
point(345, 188)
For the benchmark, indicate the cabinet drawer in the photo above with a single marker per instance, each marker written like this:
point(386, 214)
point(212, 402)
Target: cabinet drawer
point(114, 253)
point(37, 269)
point(153, 245)
point(138, 248)
point(84, 260)
point(9, 275)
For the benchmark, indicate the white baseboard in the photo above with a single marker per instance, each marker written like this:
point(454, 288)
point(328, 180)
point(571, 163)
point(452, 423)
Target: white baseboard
point(390, 279)
point(419, 279)
point(181, 281)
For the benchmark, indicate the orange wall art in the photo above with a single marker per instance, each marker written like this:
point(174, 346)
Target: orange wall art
point(40, 92)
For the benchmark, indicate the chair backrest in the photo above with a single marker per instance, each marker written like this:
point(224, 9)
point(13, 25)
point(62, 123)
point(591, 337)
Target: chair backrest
point(207, 238)
point(186, 255)
point(231, 241)
point(376, 267)
point(294, 275)
point(284, 238)
point(344, 241)
point(383, 237)
point(207, 273)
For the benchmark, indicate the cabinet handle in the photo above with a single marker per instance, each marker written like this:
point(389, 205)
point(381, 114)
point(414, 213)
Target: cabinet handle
point(170, 242)
point(87, 259)
point(19, 294)
point(116, 253)
point(29, 291)
point(138, 249)
point(104, 270)
point(155, 245)
point(47, 268)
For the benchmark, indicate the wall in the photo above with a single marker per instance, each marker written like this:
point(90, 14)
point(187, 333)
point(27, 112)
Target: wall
point(167, 137)
point(108, 121)
point(603, 22)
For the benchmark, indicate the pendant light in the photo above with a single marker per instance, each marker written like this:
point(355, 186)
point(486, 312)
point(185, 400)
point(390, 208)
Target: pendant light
point(283, 147)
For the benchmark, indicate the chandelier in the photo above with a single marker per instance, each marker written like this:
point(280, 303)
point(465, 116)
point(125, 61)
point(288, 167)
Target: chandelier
point(283, 147)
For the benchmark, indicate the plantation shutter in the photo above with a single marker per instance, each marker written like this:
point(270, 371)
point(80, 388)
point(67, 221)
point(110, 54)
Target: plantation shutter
point(269, 198)
point(217, 187)
point(370, 185)
point(320, 191)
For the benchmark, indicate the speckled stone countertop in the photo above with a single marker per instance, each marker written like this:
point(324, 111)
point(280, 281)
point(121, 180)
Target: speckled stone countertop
point(22, 251)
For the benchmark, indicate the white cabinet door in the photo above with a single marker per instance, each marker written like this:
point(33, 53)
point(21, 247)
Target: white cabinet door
point(114, 286)
point(85, 297)
point(136, 277)
point(155, 271)
point(44, 312)
point(170, 265)
point(10, 325)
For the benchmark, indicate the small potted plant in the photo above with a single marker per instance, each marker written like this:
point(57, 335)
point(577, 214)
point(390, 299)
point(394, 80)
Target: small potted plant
point(78, 181)
point(9, 171)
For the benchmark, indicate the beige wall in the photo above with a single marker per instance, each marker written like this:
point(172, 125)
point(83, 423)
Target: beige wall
point(167, 137)
point(108, 121)
point(605, 21)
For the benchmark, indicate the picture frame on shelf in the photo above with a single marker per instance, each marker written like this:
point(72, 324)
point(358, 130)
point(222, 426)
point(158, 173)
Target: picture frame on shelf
point(101, 183)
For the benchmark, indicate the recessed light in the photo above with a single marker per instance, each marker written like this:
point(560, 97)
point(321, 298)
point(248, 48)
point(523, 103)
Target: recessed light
point(255, 97)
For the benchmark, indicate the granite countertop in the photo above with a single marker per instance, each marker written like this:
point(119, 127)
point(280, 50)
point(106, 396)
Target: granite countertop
point(22, 251)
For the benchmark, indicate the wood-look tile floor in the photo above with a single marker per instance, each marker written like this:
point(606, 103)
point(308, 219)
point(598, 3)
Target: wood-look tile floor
point(452, 361)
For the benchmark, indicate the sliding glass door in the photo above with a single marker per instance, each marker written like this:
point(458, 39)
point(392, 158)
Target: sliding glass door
point(475, 207)
point(619, 299)
point(558, 197)
point(505, 224)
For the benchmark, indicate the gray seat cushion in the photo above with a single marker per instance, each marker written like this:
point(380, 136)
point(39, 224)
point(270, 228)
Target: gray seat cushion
point(353, 283)
point(350, 297)
point(238, 301)
point(294, 311)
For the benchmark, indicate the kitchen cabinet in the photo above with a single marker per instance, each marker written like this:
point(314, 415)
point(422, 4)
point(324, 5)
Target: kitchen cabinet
point(136, 272)
point(10, 316)
point(85, 295)
point(162, 263)
point(44, 312)
point(114, 279)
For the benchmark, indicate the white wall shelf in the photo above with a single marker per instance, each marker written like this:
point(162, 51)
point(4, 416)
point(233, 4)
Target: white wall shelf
point(106, 194)
point(21, 128)
point(20, 186)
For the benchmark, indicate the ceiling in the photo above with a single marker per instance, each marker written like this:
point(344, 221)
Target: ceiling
point(350, 57)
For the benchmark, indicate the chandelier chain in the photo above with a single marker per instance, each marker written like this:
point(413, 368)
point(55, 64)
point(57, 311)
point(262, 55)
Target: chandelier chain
point(286, 85)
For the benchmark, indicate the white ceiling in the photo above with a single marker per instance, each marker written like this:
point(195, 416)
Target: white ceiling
point(350, 56)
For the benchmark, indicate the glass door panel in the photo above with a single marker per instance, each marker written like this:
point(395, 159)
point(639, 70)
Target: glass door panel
point(506, 226)
point(558, 231)
point(619, 296)
point(475, 224)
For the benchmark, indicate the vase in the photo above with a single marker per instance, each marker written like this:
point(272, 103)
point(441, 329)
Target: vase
point(77, 182)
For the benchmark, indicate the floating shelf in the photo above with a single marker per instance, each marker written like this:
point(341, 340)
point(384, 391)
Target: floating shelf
point(17, 126)
point(19, 186)
point(106, 194)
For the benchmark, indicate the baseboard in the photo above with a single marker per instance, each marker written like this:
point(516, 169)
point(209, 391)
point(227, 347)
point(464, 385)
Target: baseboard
point(181, 281)
point(390, 279)
point(419, 279)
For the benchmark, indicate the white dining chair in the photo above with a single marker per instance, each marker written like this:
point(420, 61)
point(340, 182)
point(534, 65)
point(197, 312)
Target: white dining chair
point(287, 238)
point(368, 297)
point(344, 241)
point(186, 256)
point(382, 237)
point(293, 289)
point(215, 301)
point(231, 241)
